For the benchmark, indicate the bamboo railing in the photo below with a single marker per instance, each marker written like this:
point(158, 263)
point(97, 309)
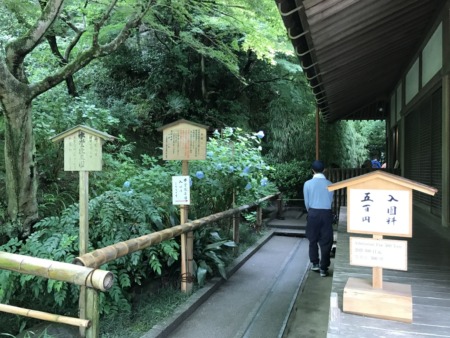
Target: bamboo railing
point(107, 254)
point(65, 272)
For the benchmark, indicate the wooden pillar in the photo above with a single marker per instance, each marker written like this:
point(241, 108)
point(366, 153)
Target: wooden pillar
point(187, 243)
point(377, 272)
point(84, 239)
point(317, 133)
point(445, 151)
point(445, 218)
point(258, 217)
point(236, 224)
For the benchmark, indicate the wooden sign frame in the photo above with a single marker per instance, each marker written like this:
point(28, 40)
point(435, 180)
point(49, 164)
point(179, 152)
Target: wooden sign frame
point(184, 140)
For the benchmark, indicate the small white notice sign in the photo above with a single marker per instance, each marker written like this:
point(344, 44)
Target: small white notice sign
point(181, 190)
point(383, 253)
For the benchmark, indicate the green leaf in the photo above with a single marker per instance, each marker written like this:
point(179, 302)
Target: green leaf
point(201, 275)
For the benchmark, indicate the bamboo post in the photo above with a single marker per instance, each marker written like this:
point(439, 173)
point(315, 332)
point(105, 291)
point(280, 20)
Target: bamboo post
point(92, 313)
point(377, 272)
point(236, 223)
point(279, 207)
point(258, 217)
point(187, 243)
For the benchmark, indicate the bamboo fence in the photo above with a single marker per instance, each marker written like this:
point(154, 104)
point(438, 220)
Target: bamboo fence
point(107, 254)
point(45, 316)
point(66, 272)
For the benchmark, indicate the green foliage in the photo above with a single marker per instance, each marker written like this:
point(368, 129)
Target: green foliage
point(234, 173)
point(212, 253)
point(150, 309)
point(374, 133)
point(114, 216)
point(290, 176)
point(292, 122)
point(55, 113)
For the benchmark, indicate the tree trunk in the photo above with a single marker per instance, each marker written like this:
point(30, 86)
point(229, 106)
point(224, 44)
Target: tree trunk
point(20, 165)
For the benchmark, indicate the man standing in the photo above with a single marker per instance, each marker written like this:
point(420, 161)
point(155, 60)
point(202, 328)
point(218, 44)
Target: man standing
point(319, 227)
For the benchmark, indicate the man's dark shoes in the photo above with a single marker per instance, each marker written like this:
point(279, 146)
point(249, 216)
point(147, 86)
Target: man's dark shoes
point(315, 267)
point(323, 273)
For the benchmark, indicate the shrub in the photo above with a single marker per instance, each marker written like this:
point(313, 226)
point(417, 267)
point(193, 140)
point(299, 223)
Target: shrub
point(290, 176)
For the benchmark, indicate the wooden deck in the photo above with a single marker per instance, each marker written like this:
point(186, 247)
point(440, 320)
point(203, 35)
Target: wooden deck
point(428, 274)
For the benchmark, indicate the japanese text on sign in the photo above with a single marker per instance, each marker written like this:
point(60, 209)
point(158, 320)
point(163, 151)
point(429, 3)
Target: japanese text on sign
point(181, 190)
point(82, 151)
point(380, 212)
point(184, 144)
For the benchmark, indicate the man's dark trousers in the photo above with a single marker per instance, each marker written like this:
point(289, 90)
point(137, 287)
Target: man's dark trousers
point(319, 230)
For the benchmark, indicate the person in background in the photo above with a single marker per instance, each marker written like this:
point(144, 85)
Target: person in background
point(319, 226)
point(375, 162)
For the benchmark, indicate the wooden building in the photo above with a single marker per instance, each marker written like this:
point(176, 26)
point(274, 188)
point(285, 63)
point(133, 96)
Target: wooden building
point(383, 60)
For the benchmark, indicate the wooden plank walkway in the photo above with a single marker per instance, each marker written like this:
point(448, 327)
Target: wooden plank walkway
point(428, 274)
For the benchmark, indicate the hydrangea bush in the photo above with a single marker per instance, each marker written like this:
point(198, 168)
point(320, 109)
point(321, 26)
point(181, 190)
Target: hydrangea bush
point(234, 173)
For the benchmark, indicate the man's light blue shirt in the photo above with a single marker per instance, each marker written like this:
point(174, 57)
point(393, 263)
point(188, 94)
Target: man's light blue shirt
point(316, 194)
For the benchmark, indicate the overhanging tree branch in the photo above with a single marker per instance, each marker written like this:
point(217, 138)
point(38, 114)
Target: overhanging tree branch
point(21, 47)
point(85, 57)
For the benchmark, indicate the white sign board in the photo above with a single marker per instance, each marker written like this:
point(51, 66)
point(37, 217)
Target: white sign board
point(181, 190)
point(383, 253)
point(386, 212)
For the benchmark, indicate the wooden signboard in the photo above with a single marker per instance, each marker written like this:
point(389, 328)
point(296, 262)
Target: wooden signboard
point(184, 140)
point(83, 153)
point(83, 148)
point(379, 204)
point(380, 211)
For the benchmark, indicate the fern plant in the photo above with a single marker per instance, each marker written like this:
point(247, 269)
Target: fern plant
point(113, 216)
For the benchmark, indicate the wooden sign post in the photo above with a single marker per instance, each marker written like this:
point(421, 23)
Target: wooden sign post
point(184, 140)
point(83, 153)
point(379, 204)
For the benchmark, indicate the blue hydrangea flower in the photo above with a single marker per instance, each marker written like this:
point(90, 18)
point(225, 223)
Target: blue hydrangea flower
point(209, 153)
point(260, 134)
point(264, 181)
point(219, 166)
point(248, 186)
point(246, 170)
point(199, 175)
point(126, 184)
point(231, 168)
